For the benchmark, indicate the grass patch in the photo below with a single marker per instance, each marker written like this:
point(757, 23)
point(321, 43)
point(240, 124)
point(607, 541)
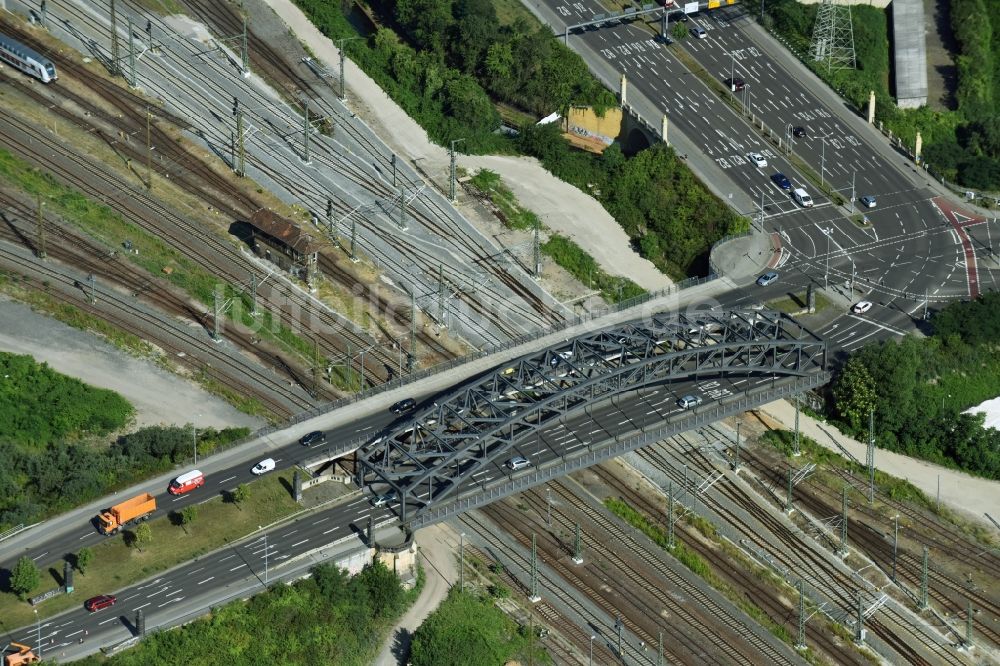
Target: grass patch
point(162, 7)
point(796, 302)
point(115, 565)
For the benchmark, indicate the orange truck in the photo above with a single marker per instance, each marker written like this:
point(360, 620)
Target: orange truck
point(130, 511)
point(22, 655)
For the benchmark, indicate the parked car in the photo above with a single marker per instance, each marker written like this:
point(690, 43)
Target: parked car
point(781, 180)
point(689, 401)
point(868, 201)
point(384, 499)
point(403, 406)
point(264, 466)
point(315, 438)
point(757, 159)
point(800, 132)
point(518, 462)
point(767, 278)
point(736, 85)
point(861, 307)
point(698, 33)
point(100, 602)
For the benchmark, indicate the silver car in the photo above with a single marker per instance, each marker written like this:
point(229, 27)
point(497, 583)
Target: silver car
point(689, 401)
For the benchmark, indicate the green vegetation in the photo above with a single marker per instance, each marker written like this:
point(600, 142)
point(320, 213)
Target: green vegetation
point(83, 559)
point(963, 146)
point(141, 535)
point(38, 405)
point(116, 565)
point(25, 577)
point(328, 618)
point(454, 56)
point(470, 629)
point(59, 474)
point(918, 388)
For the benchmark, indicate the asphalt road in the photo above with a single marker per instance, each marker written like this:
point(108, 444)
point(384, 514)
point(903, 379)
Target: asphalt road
point(200, 583)
point(910, 251)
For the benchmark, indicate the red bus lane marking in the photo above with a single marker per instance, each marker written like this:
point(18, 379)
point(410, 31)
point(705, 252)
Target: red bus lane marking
point(959, 219)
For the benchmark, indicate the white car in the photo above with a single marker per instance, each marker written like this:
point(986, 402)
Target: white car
point(385, 499)
point(264, 466)
point(757, 159)
point(868, 202)
point(517, 463)
point(861, 307)
point(689, 401)
point(698, 33)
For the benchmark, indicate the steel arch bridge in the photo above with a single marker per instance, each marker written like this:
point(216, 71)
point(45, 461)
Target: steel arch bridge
point(429, 456)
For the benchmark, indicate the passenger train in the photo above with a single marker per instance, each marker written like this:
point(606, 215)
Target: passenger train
point(19, 56)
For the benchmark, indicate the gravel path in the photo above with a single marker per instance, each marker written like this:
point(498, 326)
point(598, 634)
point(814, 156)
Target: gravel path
point(438, 548)
point(158, 396)
point(562, 207)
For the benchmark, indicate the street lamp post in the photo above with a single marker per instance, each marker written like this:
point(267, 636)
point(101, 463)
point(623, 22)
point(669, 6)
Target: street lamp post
point(826, 272)
point(38, 627)
point(592, 637)
point(789, 140)
point(194, 442)
point(822, 163)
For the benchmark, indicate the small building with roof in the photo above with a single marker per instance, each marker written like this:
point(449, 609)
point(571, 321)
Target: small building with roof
point(284, 243)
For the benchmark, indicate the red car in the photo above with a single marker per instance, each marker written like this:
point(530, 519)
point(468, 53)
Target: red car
point(100, 603)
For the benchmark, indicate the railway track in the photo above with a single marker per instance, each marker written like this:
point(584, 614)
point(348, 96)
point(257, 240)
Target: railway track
point(173, 338)
point(718, 638)
point(73, 249)
point(177, 228)
point(806, 564)
point(195, 77)
point(869, 533)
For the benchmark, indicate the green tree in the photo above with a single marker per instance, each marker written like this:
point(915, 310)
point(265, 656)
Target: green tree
point(189, 514)
point(83, 559)
point(241, 494)
point(854, 394)
point(679, 31)
point(142, 535)
point(25, 577)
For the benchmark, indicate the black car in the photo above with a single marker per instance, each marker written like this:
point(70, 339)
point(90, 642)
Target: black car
point(736, 85)
point(314, 438)
point(403, 406)
point(800, 132)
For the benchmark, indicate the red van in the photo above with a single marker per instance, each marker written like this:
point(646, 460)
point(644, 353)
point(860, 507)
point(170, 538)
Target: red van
point(186, 483)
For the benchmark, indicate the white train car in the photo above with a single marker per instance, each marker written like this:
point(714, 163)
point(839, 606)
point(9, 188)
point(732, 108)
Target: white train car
point(19, 56)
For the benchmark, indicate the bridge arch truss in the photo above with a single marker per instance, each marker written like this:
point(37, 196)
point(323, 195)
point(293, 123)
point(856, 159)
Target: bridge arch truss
point(430, 457)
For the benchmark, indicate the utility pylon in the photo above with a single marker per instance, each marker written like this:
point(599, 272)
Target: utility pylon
point(833, 36)
point(40, 230)
point(842, 551)
point(240, 161)
point(968, 625)
point(788, 497)
point(923, 581)
point(670, 515)
point(453, 170)
point(577, 547)
point(354, 238)
point(441, 293)
point(149, 151)
point(253, 294)
point(537, 254)
point(796, 451)
point(800, 643)
point(305, 132)
point(870, 458)
point(411, 356)
point(245, 50)
point(534, 598)
point(115, 63)
point(895, 544)
point(859, 629)
point(401, 223)
point(131, 54)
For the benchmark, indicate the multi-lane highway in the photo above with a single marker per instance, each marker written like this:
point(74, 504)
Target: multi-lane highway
point(914, 247)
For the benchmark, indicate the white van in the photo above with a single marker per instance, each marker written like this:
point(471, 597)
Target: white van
point(802, 197)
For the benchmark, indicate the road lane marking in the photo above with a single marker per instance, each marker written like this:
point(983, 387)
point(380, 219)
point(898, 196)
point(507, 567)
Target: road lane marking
point(240, 566)
point(202, 582)
point(298, 543)
point(229, 479)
